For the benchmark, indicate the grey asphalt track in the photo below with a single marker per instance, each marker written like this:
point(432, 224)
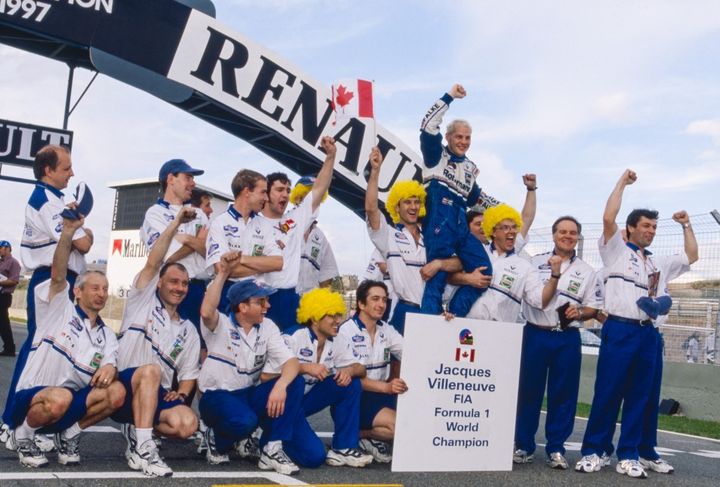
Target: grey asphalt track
point(697, 463)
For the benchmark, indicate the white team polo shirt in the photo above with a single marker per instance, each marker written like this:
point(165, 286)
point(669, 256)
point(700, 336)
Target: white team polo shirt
point(66, 349)
point(235, 359)
point(336, 354)
point(43, 226)
point(628, 277)
point(317, 263)
point(229, 231)
point(579, 285)
point(404, 260)
point(289, 233)
point(157, 219)
point(149, 336)
point(513, 281)
point(375, 356)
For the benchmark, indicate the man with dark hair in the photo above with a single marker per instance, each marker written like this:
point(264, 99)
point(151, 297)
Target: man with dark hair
point(375, 342)
point(635, 294)
point(242, 229)
point(68, 382)
point(9, 278)
point(289, 229)
point(202, 200)
point(156, 343)
point(177, 179)
point(551, 348)
point(43, 225)
point(234, 400)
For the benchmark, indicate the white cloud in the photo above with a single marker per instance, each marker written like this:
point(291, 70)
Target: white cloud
point(705, 127)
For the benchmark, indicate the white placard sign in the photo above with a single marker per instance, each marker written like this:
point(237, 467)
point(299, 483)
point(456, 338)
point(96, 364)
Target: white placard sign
point(459, 411)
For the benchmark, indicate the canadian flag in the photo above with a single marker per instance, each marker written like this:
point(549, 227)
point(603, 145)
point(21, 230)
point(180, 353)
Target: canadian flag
point(352, 99)
point(465, 354)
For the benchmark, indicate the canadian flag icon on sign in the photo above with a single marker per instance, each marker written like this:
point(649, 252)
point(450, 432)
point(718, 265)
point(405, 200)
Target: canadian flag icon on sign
point(465, 354)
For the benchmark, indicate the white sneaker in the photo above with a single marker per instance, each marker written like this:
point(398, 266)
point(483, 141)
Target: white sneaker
point(45, 443)
point(128, 432)
point(248, 448)
point(29, 453)
point(4, 432)
point(213, 456)
point(557, 461)
point(379, 450)
point(151, 462)
point(589, 464)
point(606, 460)
point(351, 457)
point(10, 442)
point(521, 456)
point(68, 449)
point(277, 461)
point(631, 468)
point(659, 465)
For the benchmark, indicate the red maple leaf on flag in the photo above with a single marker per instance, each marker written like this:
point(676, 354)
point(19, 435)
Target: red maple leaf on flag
point(343, 96)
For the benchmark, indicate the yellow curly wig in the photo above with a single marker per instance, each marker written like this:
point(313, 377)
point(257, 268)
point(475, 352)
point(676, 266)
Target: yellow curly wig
point(301, 189)
point(403, 190)
point(496, 214)
point(320, 302)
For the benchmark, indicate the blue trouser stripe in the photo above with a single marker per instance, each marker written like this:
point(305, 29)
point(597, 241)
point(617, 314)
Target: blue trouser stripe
point(551, 358)
point(234, 415)
point(344, 405)
point(625, 374)
point(39, 275)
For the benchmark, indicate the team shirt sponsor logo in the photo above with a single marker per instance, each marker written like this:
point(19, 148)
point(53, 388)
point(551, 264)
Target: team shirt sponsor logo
point(507, 281)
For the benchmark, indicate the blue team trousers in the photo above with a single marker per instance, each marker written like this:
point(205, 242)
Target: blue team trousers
point(234, 415)
point(283, 308)
point(648, 441)
point(39, 275)
point(625, 375)
point(554, 358)
point(447, 236)
point(344, 405)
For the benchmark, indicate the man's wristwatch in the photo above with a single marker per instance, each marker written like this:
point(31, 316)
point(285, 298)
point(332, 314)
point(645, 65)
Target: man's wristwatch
point(686, 225)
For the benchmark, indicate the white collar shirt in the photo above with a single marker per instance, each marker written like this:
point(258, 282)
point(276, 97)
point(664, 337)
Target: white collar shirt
point(66, 349)
point(289, 235)
point(158, 218)
point(235, 359)
point(404, 260)
point(579, 285)
point(374, 354)
point(513, 281)
point(230, 232)
point(43, 225)
point(150, 336)
point(318, 262)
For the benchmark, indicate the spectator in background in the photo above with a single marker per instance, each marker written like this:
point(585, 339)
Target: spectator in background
point(9, 278)
point(201, 199)
point(692, 352)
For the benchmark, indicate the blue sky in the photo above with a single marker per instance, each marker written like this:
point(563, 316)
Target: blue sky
point(573, 91)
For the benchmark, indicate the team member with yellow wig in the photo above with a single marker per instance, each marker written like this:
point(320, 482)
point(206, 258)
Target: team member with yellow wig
point(402, 246)
point(331, 371)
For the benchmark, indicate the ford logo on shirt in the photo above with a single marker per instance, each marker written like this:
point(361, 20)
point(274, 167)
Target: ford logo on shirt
point(358, 338)
point(306, 352)
point(230, 228)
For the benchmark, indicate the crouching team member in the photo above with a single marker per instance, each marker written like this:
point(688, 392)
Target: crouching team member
point(234, 401)
point(68, 382)
point(332, 373)
point(374, 342)
point(551, 348)
point(156, 343)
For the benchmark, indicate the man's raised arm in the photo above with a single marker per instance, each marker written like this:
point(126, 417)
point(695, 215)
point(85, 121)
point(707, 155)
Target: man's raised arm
point(612, 207)
point(372, 211)
point(324, 177)
point(61, 256)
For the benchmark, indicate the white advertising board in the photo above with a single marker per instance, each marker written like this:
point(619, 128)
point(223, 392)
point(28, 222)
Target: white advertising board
point(459, 411)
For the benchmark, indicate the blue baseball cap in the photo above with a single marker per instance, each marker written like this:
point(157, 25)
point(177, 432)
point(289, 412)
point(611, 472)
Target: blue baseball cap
point(5, 243)
point(246, 289)
point(175, 166)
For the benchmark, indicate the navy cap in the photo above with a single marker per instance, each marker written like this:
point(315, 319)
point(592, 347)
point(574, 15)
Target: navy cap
point(175, 166)
point(246, 289)
point(5, 243)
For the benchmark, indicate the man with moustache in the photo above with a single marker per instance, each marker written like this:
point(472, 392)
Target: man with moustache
point(628, 352)
point(52, 168)
point(156, 344)
point(68, 382)
point(242, 229)
point(289, 229)
point(551, 350)
point(375, 342)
